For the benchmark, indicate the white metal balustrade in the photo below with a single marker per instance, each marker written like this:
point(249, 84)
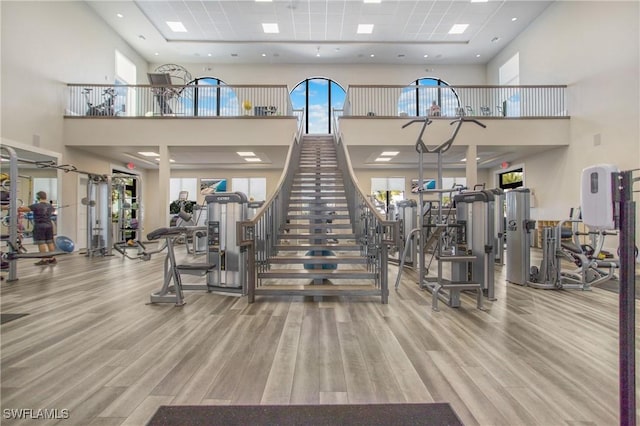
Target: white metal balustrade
point(455, 101)
point(100, 100)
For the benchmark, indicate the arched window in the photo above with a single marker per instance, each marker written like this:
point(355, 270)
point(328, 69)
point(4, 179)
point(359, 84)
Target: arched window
point(417, 98)
point(207, 97)
point(318, 96)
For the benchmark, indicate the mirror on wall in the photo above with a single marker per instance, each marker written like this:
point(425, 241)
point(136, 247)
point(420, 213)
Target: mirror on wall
point(32, 177)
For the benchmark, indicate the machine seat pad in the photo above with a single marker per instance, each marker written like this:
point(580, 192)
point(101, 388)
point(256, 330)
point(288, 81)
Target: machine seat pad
point(566, 233)
point(608, 263)
point(165, 232)
point(196, 267)
point(571, 247)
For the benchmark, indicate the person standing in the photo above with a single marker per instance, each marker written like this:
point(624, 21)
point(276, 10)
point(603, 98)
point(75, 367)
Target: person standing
point(42, 227)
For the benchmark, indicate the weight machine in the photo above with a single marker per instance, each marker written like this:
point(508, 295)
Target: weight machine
point(550, 275)
point(99, 222)
point(449, 289)
point(226, 261)
point(14, 247)
point(224, 210)
point(519, 227)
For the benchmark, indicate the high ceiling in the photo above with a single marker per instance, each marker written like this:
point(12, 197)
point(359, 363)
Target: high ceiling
point(316, 32)
point(319, 31)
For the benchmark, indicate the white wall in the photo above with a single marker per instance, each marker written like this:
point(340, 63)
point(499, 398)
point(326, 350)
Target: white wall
point(343, 74)
point(44, 46)
point(593, 47)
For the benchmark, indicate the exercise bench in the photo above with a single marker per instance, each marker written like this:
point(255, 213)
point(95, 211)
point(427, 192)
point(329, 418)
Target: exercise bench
point(172, 287)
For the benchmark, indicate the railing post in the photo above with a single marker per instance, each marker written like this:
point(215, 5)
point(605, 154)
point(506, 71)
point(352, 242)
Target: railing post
point(384, 272)
point(251, 271)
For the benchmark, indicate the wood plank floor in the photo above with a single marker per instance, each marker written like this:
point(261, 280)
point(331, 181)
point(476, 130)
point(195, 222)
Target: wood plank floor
point(92, 346)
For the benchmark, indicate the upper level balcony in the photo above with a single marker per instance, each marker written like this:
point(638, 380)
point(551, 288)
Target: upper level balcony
point(200, 115)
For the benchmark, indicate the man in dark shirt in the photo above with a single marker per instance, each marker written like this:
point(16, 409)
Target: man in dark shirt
point(42, 227)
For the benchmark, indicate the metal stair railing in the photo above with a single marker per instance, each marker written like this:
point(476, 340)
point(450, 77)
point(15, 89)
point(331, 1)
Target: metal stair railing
point(374, 233)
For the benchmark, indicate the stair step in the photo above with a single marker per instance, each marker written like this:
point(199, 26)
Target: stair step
point(319, 200)
point(316, 216)
point(307, 247)
point(332, 274)
point(316, 183)
point(319, 193)
point(318, 208)
point(318, 260)
point(313, 178)
point(318, 290)
point(312, 236)
point(310, 226)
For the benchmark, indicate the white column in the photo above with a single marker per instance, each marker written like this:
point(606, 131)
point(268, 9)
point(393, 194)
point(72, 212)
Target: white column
point(472, 166)
point(164, 174)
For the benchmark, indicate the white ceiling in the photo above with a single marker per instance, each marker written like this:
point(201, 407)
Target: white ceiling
point(230, 31)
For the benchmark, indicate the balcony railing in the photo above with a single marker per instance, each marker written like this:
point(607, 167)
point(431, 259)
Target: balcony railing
point(452, 101)
point(98, 100)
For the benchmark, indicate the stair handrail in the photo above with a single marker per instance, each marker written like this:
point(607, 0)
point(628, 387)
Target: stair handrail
point(259, 234)
point(374, 232)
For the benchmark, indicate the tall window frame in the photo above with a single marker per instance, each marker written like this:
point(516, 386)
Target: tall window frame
point(315, 117)
point(415, 99)
point(225, 102)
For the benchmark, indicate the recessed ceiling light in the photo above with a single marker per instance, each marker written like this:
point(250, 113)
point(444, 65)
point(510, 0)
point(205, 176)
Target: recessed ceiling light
point(252, 159)
point(478, 55)
point(514, 19)
point(373, 55)
point(177, 26)
point(270, 28)
point(382, 159)
point(209, 54)
point(458, 28)
point(426, 56)
point(149, 153)
point(263, 55)
point(365, 28)
point(119, 15)
point(246, 154)
point(389, 153)
point(156, 54)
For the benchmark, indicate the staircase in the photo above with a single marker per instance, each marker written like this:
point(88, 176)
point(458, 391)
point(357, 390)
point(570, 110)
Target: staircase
point(317, 252)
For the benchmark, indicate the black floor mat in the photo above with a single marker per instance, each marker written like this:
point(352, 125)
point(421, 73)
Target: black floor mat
point(4, 318)
point(614, 286)
point(361, 414)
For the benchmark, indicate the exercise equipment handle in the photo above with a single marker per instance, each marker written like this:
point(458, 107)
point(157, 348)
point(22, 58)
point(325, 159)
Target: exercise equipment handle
point(420, 146)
